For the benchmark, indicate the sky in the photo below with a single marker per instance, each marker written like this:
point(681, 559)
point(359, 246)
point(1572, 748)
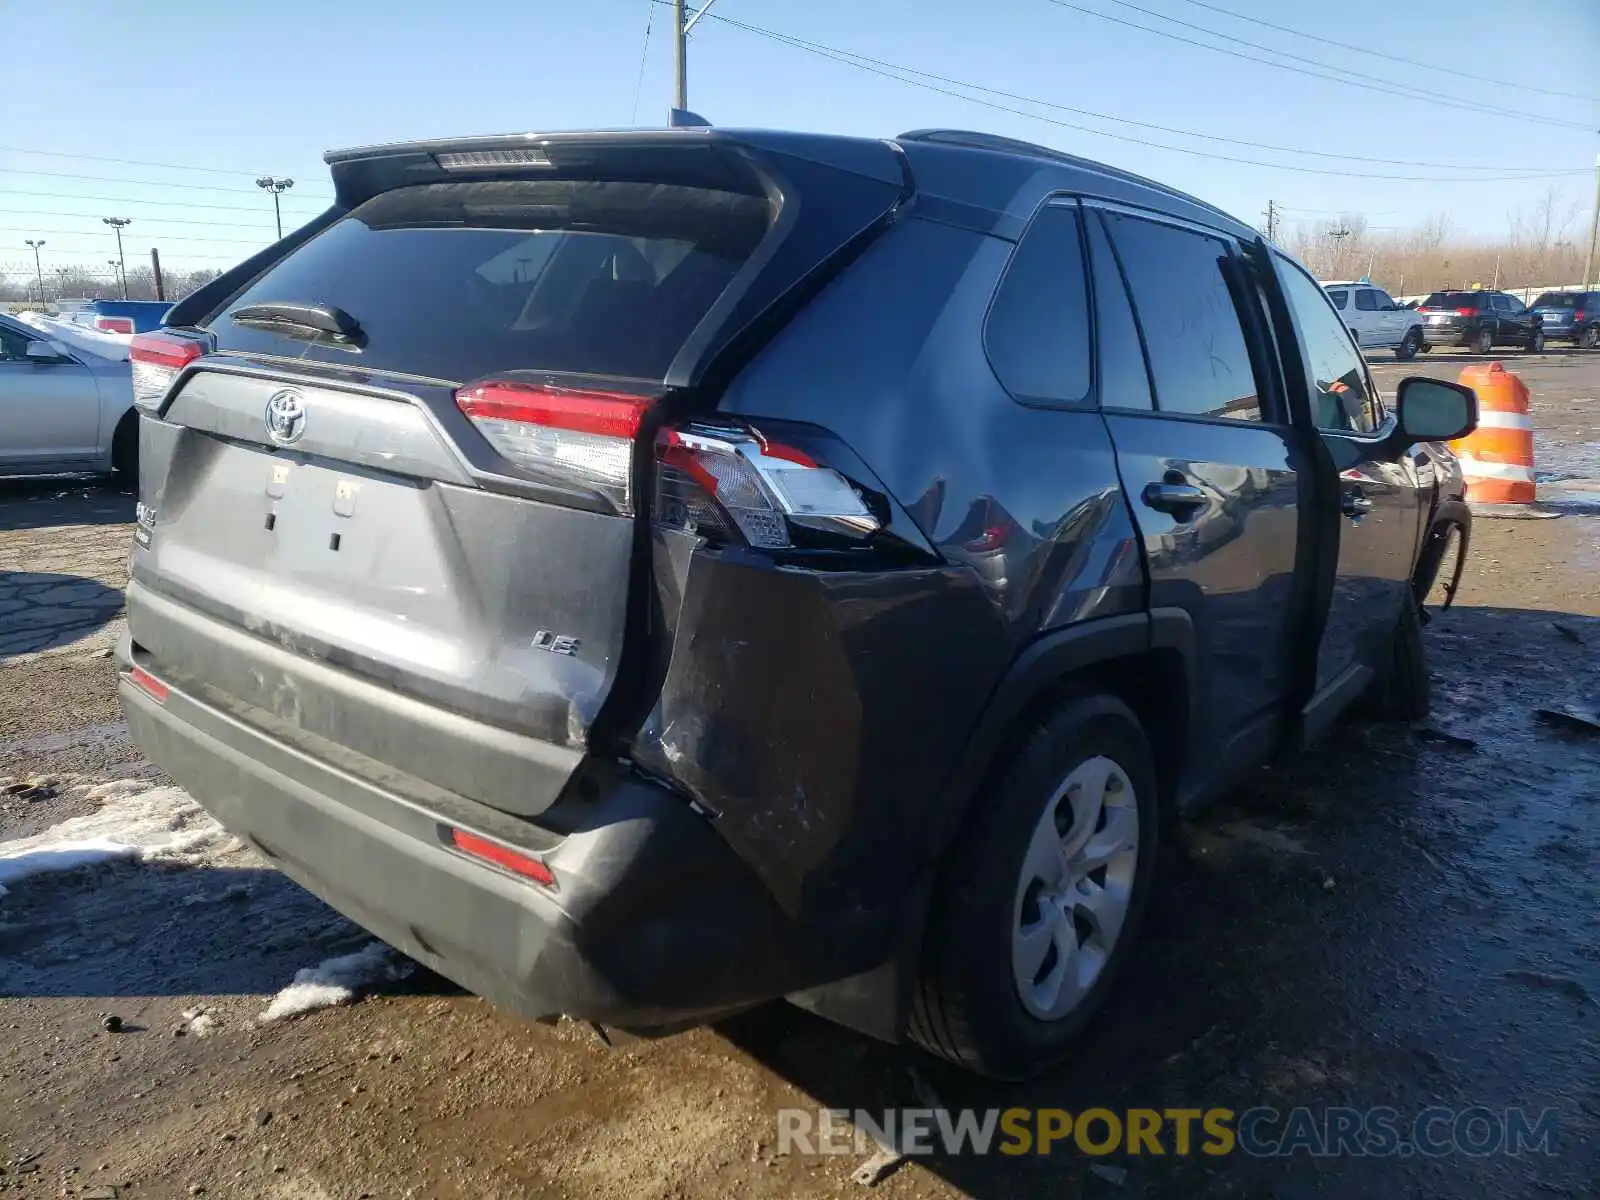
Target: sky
point(211, 95)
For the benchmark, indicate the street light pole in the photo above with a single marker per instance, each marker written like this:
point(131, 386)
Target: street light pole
point(37, 269)
point(277, 187)
point(117, 224)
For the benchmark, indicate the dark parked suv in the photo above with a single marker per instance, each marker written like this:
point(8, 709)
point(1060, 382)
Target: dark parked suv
point(1571, 316)
point(644, 574)
point(1480, 321)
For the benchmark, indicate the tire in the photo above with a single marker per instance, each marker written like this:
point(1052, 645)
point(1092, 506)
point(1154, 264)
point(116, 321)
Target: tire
point(1409, 345)
point(1536, 342)
point(1482, 341)
point(1426, 347)
point(1403, 690)
point(1590, 338)
point(125, 450)
point(969, 1005)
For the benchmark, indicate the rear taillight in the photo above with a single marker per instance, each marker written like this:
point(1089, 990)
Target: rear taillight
point(575, 436)
point(1465, 312)
point(723, 480)
point(113, 324)
point(1577, 314)
point(157, 359)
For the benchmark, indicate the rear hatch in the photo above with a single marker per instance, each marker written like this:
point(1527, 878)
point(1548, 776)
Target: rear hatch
point(393, 476)
point(1444, 311)
point(1558, 310)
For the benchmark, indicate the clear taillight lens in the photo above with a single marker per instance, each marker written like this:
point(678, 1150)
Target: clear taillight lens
point(155, 360)
point(716, 479)
point(575, 436)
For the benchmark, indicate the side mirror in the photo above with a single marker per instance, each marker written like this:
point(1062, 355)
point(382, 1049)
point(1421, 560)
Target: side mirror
point(45, 351)
point(1433, 410)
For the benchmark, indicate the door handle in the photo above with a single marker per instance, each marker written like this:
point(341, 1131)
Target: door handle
point(1353, 504)
point(1181, 500)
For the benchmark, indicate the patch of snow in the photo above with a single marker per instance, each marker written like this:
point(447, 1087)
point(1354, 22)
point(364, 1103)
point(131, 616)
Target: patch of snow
point(135, 821)
point(336, 981)
point(114, 346)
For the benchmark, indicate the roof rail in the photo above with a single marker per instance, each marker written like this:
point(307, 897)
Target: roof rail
point(984, 141)
point(972, 140)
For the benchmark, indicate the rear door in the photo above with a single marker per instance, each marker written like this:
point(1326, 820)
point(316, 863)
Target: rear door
point(1396, 320)
point(49, 408)
point(1371, 323)
point(1379, 500)
point(1212, 470)
point(439, 500)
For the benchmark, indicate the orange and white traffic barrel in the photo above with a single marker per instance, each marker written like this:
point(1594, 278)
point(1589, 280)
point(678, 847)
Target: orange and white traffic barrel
point(1497, 457)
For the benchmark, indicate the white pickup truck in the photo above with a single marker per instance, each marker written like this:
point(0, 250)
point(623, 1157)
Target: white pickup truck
point(66, 401)
point(1376, 321)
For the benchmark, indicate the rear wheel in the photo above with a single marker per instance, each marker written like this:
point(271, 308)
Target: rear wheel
point(1482, 341)
point(125, 449)
point(1590, 338)
point(1042, 898)
point(1536, 342)
point(1409, 345)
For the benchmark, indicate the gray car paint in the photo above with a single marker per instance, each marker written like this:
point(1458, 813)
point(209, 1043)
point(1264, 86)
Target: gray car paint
point(61, 415)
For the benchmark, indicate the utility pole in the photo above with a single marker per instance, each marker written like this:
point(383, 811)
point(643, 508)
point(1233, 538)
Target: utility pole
point(1594, 228)
point(117, 223)
point(1272, 222)
point(277, 187)
point(117, 277)
point(682, 23)
point(155, 269)
point(1338, 235)
point(37, 269)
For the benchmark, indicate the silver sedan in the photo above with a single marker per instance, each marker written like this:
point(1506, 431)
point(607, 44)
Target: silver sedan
point(63, 407)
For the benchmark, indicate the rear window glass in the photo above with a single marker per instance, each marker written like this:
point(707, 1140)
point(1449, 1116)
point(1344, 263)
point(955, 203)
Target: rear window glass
point(1339, 296)
point(1453, 300)
point(461, 280)
point(1558, 300)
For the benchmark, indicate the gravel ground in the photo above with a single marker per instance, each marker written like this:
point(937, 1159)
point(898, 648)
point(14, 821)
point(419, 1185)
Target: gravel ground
point(1402, 917)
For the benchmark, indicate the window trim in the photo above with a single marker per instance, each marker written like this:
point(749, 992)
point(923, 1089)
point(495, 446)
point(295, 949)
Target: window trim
point(1251, 323)
point(1090, 402)
point(1380, 432)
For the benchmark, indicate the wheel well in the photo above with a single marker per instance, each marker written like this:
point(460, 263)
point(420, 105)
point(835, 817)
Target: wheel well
point(1154, 684)
point(127, 427)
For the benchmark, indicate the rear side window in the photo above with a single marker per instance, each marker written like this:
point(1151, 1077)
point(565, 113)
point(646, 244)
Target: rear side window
point(1199, 359)
point(1123, 381)
point(1367, 300)
point(460, 280)
point(1454, 300)
point(1037, 334)
point(1340, 298)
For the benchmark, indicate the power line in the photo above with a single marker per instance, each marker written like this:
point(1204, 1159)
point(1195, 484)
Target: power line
point(264, 240)
point(1477, 77)
point(166, 183)
point(908, 75)
point(253, 208)
point(126, 162)
point(42, 212)
point(638, 86)
point(1329, 72)
point(1087, 112)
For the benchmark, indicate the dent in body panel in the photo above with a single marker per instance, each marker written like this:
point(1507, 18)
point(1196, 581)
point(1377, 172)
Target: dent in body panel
point(817, 715)
point(1027, 499)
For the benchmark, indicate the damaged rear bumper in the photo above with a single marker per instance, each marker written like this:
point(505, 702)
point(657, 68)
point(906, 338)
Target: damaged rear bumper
point(652, 921)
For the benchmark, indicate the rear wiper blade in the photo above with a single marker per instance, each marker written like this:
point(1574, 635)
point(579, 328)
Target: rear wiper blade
point(315, 322)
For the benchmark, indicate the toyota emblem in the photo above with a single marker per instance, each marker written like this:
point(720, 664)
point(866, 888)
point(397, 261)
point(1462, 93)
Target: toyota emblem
point(286, 416)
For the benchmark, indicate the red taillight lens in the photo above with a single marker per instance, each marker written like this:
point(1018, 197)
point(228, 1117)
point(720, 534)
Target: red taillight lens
point(578, 436)
point(1577, 314)
point(1465, 312)
point(714, 480)
point(518, 863)
point(157, 359)
point(114, 324)
point(149, 684)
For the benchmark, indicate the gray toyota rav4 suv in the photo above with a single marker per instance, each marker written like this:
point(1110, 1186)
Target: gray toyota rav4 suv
point(640, 575)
